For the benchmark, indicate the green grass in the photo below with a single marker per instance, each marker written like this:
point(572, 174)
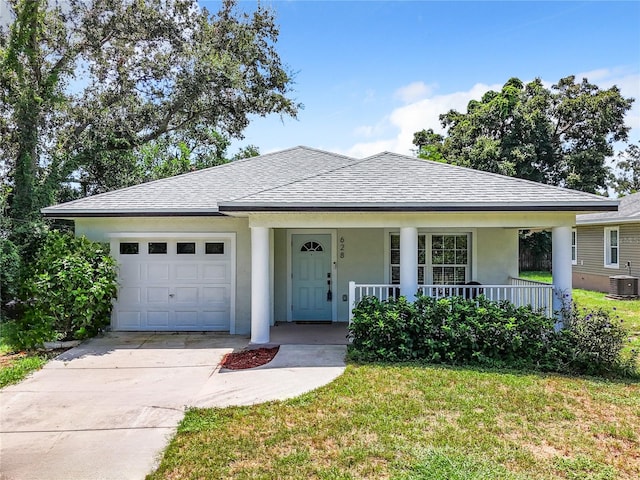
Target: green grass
point(16, 370)
point(426, 422)
point(627, 310)
point(420, 422)
point(15, 367)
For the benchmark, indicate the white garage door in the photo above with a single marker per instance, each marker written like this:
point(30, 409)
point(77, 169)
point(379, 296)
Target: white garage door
point(175, 284)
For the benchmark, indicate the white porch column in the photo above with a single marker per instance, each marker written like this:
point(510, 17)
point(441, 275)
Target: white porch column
point(561, 266)
point(260, 285)
point(409, 262)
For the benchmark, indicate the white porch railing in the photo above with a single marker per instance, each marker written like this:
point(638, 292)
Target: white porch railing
point(519, 292)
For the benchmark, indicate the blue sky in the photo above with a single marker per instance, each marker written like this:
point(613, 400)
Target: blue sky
point(371, 73)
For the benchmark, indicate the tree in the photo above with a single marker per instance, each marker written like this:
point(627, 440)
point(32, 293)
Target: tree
point(628, 166)
point(429, 145)
point(89, 88)
point(559, 136)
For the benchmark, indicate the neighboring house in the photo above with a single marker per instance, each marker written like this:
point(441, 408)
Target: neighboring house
point(302, 233)
point(607, 244)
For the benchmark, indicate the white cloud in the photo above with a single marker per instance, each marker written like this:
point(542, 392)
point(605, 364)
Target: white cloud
point(368, 131)
point(362, 150)
point(413, 92)
point(410, 118)
point(395, 131)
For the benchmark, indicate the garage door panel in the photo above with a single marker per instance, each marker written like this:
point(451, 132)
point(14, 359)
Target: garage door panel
point(130, 272)
point(156, 272)
point(215, 320)
point(218, 272)
point(158, 319)
point(186, 318)
point(217, 295)
point(129, 295)
point(186, 294)
point(129, 320)
point(187, 272)
point(157, 294)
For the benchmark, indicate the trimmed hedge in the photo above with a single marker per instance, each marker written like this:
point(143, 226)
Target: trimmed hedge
point(460, 331)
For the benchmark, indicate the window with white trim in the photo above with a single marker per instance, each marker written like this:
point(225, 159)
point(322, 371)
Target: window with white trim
point(574, 246)
point(449, 259)
point(394, 268)
point(611, 247)
point(443, 259)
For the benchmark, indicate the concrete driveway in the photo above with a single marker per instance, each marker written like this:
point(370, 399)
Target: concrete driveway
point(107, 409)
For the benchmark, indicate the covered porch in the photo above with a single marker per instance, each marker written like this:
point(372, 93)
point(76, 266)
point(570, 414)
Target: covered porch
point(439, 255)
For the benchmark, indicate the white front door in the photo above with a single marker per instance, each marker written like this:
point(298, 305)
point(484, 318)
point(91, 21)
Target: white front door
point(312, 285)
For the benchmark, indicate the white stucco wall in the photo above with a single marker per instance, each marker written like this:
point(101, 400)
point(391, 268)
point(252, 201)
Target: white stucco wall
point(280, 275)
point(496, 255)
point(99, 229)
point(364, 259)
point(363, 262)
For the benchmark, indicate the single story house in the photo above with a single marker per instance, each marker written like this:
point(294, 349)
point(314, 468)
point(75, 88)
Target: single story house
point(606, 244)
point(301, 234)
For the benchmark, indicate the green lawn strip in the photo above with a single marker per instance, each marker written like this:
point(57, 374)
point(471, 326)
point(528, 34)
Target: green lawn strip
point(16, 367)
point(413, 421)
point(16, 370)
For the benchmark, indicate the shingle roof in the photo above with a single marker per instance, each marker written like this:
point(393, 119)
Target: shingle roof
point(389, 180)
point(628, 212)
point(302, 178)
point(201, 191)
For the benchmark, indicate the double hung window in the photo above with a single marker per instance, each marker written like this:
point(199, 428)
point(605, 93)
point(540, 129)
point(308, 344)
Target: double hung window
point(611, 247)
point(443, 259)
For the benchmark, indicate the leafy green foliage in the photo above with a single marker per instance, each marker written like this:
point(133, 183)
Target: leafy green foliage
point(627, 180)
point(430, 145)
point(67, 293)
point(593, 343)
point(450, 330)
point(559, 136)
point(9, 272)
point(460, 331)
point(85, 87)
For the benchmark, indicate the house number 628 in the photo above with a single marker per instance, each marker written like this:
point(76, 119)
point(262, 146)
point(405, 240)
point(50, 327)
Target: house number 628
point(341, 247)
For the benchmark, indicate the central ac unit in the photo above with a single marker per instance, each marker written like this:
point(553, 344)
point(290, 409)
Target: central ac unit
point(623, 286)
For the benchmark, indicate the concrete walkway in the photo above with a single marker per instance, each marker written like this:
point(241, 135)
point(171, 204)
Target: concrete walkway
point(107, 409)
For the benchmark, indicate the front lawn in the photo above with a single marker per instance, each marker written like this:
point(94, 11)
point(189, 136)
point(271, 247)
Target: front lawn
point(411, 421)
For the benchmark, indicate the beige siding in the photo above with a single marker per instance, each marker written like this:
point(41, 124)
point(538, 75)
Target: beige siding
point(630, 248)
point(590, 260)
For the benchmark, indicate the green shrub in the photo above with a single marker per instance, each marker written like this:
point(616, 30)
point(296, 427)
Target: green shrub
point(449, 330)
point(67, 294)
point(478, 331)
point(9, 273)
point(592, 342)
